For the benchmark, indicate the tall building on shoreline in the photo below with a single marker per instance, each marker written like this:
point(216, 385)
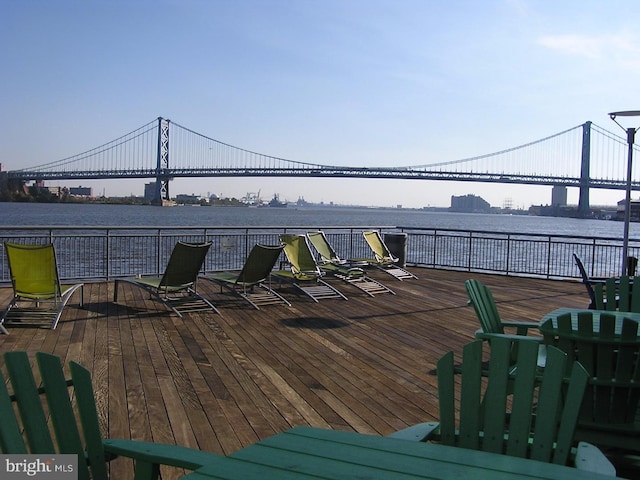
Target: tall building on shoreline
point(469, 204)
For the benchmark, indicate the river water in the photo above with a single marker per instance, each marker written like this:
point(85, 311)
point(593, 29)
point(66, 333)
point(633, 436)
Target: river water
point(54, 214)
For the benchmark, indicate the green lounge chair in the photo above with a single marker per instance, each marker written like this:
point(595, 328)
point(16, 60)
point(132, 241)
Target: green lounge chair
point(481, 298)
point(535, 419)
point(38, 297)
point(54, 419)
point(383, 258)
point(176, 288)
point(304, 272)
point(253, 282)
point(339, 268)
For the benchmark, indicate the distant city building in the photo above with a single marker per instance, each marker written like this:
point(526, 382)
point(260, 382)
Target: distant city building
point(559, 196)
point(184, 198)
point(4, 179)
point(57, 191)
point(81, 191)
point(149, 191)
point(469, 204)
point(634, 212)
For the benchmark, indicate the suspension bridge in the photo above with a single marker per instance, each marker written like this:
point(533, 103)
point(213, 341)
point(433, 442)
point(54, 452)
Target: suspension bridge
point(585, 156)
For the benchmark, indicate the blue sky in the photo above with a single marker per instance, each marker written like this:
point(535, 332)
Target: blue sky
point(343, 82)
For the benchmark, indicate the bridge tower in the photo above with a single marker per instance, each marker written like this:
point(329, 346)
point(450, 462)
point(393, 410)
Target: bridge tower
point(583, 199)
point(161, 196)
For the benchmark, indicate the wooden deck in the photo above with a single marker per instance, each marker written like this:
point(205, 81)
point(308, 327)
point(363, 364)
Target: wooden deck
point(222, 382)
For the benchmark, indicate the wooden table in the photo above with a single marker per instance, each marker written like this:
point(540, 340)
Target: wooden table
point(596, 315)
point(306, 452)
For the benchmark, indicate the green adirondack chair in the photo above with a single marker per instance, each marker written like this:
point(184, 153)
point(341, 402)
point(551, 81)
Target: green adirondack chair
point(492, 326)
point(481, 298)
point(495, 420)
point(609, 348)
point(618, 293)
point(27, 410)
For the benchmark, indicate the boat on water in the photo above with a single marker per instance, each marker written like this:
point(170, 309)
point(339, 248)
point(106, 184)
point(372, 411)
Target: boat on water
point(275, 202)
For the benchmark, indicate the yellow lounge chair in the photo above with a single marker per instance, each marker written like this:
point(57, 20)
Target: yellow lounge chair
point(38, 297)
point(304, 272)
point(331, 263)
point(383, 258)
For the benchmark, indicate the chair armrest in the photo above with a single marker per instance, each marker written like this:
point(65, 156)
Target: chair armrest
point(520, 338)
point(589, 458)
point(518, 323)
point(521, 327)
point(416, 433)
point(160, 453)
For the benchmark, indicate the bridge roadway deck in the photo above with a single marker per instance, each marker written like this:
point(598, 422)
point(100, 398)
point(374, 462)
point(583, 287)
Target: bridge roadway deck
point(222, 382)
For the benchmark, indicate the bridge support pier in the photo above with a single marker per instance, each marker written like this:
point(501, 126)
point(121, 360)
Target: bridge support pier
point(161, 197)
point(583, 199)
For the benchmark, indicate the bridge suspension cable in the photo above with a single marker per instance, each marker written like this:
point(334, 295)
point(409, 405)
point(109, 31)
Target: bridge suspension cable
point(553, 160)
point(191, 149)
point(127, 152)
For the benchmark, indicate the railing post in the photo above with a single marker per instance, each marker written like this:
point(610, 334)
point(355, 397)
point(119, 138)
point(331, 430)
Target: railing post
point(470, 246)
point(548, 256)
point(508, 265)
point(158, 251)
point(107, 257)
point(435, 249)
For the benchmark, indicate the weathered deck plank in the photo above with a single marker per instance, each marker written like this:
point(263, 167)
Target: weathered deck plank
point(221, 382)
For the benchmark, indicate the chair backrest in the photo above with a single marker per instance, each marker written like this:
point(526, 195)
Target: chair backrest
point(380, 249)
point(485, 306)
point(618, 293)
point(608, 346)
point(299, 255)
point(184, 264)
point(25, 429)
point(586, 281)
point(259, 264)
point(491, 421)
point(323, 247)
point(34, 273)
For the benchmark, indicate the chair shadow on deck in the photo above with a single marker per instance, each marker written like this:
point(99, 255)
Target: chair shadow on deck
point(314, 323)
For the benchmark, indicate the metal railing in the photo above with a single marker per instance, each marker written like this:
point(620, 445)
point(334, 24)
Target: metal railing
point(105, 253)
point(536, 255)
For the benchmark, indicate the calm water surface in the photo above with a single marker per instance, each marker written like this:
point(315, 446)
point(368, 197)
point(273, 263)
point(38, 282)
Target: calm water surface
point(18, 214)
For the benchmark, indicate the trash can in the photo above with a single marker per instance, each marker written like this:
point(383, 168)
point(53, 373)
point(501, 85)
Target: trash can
point(397, 245)
point(632, 264)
